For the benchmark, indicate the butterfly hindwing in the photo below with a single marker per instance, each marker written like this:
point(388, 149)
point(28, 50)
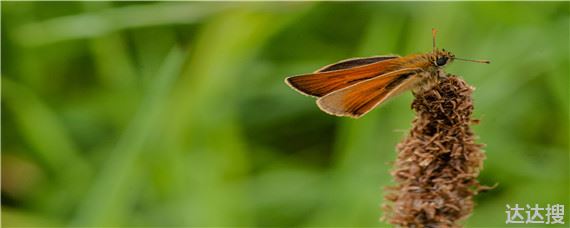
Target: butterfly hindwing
point(358, 99)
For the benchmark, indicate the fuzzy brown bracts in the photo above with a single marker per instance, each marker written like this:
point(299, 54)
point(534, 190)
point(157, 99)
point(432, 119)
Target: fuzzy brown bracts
point(438, 162)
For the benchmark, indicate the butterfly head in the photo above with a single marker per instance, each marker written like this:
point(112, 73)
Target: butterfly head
point(440, 58)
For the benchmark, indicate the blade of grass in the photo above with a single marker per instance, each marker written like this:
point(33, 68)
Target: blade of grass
point(40, 127)
point(50, 142)
point(110, 53)
point(87, 25)
point(205, 128)
point(108, 198)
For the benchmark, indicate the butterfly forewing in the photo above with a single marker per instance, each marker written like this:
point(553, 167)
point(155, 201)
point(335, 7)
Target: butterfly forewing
point(341, 75)
point(358, 99)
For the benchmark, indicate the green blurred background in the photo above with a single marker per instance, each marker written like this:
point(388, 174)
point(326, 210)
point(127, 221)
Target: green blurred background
point(155, 114)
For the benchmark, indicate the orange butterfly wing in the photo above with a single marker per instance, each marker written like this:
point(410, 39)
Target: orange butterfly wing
point(342, 74)
point(358, 99)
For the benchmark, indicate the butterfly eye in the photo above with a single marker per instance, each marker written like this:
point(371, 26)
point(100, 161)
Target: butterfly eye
point(441, 61)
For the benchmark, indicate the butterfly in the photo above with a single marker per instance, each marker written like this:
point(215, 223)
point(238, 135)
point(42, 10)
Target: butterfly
point(353, 87)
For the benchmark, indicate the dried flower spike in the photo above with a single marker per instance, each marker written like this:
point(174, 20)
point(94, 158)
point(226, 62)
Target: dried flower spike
point(438, 162)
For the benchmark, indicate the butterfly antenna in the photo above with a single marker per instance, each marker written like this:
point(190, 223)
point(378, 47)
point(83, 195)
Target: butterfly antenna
point(433, 33)
point(473, 60)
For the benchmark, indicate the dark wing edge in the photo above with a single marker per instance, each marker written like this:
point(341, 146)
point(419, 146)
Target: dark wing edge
point(355, 62)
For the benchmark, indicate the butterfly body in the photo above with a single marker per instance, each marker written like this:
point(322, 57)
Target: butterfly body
point(355, 86)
